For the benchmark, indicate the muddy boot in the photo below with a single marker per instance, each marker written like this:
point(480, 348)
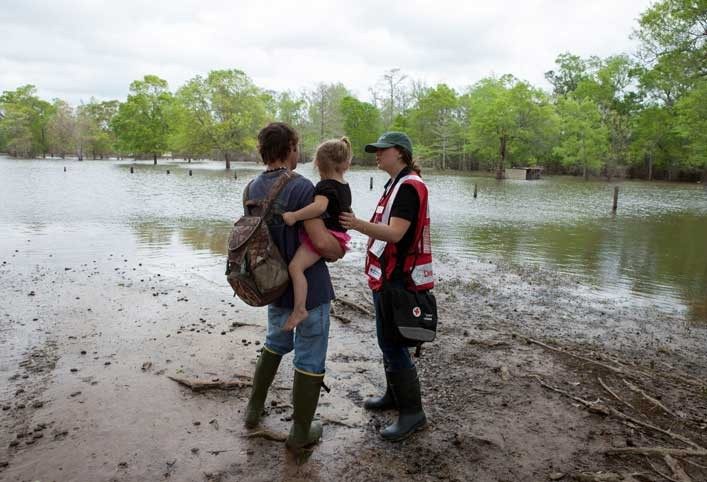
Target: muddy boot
point(265, 371)
point(305, 396)
point(386, 402)
point(406, 390)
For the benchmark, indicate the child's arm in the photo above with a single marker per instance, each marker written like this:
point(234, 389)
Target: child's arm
point(310, 211)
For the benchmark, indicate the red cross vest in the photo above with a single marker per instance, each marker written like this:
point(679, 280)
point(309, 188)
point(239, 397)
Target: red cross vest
point(417, 264)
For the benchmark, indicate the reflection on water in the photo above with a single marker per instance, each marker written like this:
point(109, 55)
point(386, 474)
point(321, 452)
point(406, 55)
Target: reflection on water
point(652, 251)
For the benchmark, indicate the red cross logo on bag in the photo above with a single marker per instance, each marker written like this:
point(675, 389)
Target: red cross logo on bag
point(416, 312)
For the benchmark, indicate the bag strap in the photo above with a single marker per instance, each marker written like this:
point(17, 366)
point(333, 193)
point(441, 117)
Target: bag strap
point(267, 204)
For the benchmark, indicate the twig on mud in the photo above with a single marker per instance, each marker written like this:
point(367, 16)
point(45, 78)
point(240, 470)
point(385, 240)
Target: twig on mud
point(332, 421)
point(342, 319)
point(216, 452)
point(596, 407)
point(598, 477)
point(655, 402)
point(200, 386)
point(267, 435)
point(488, 343)
point(355, 306)
point(694, 464)
point(687, 379)
point(655, 469)
point(676, 468)
point(579, 357)
point(656, 451)
point(606, 387)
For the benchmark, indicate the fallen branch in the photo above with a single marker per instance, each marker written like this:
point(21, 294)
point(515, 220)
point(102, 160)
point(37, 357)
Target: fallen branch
point(200, 386)
point(655, 469)
point(599, 408)
point(267, 435)
point(488, 343)
point(579, 357)
point(606, 387)
point(332, 421)
point(342, 319)
point(656, 451)
point(355, 306)
point(673, 375)
point(678, 472)
point(655, 402)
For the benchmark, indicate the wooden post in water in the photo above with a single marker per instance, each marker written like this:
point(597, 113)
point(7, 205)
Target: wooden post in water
point(476, 190)
point(167, 171)
point(616, 199)
point(64, 168)
point(235, 174)
point(371, 184)
point(131, 170)
point(190, 172)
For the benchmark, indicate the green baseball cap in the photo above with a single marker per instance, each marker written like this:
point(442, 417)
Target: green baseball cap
point(391, 139)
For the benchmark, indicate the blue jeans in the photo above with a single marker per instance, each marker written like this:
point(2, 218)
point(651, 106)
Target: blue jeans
point(309, 340)
point(395, 357)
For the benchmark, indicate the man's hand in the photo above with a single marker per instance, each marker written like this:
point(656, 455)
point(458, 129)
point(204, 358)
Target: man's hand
point(289, 218)
point(323, 241)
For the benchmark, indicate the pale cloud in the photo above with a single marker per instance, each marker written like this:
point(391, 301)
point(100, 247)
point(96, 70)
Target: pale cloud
point(76, 49)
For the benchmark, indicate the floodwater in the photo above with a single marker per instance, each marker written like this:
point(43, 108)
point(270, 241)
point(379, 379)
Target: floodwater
point(651, 252)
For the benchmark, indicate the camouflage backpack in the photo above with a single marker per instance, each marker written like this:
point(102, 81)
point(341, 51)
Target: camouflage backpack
point(255, 268)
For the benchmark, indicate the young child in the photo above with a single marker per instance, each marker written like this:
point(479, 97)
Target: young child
point(332, 196)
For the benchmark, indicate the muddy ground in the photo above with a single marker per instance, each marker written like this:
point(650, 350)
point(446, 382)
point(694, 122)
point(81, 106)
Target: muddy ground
point(87, 348)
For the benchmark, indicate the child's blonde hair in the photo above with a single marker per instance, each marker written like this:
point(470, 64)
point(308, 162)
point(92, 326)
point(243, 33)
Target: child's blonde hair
point(334, 155)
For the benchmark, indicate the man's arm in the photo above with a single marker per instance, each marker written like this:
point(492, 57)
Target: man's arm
point(325, 243)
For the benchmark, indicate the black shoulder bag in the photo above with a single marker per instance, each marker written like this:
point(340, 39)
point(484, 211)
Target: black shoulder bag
point(409, 317)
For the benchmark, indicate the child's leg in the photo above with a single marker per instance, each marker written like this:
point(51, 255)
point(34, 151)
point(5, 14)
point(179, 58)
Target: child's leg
point(303, 259)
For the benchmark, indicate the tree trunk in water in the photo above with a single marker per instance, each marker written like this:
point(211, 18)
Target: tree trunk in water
point(585, 172)
point(154, 158)
point(650, 167)
point(228, 162)
point(704, 177)
point(501, 171)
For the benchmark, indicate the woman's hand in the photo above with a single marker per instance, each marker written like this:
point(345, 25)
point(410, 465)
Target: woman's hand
point(349, 221)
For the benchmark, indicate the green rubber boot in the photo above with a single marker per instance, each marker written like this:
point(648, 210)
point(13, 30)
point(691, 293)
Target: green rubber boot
point(406, 390)
point(305, 397)
point(265, 371)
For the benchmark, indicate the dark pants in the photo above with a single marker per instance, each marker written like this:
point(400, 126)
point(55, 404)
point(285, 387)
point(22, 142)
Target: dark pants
point(396, 357)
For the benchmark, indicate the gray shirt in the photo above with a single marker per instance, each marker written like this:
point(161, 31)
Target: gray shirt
point(298, 193)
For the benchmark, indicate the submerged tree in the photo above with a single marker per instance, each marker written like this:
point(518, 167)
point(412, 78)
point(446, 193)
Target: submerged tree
point(583, 137)
point(141, 124)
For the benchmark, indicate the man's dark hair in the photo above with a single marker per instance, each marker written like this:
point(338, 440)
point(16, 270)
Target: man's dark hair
point(275, 141)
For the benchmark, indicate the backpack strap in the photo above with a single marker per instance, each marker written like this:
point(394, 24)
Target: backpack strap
point(267, 203)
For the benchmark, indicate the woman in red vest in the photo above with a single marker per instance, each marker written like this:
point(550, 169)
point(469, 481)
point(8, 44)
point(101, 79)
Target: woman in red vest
point(399, 252)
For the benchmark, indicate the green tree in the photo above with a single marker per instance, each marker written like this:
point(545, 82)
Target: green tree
point(692, 126)
point(325, 119)
point(141, 125)
point(571, 70)
point(61, 129)
point(25, 111)
point(509, 118)
point(583, 136)
point(362, 124)
point(674, 43)
point(222, 112)
point(435, 124)
point(93, 124)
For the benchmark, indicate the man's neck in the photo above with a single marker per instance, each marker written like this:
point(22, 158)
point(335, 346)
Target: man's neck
point(275, 165)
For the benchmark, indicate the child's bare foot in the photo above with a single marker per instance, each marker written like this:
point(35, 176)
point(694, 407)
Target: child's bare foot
point(295, 318)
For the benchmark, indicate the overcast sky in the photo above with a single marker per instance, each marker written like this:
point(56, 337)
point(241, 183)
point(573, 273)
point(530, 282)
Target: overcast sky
point(78, 49)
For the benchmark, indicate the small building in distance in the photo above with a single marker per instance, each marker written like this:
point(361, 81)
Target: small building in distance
point(524, 173)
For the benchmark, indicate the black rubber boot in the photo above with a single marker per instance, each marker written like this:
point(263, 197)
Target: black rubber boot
point(386, 402)
point(265, 371)
point(305, 397)
point(406, 390)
